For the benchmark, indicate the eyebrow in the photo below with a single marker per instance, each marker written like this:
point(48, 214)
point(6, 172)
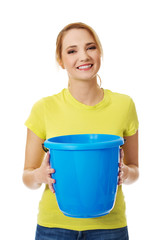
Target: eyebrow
point(87, 44)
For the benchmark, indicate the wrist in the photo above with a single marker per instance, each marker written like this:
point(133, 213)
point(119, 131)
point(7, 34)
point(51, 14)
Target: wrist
point(37, 176)
point(131, 174)
point(30, 178)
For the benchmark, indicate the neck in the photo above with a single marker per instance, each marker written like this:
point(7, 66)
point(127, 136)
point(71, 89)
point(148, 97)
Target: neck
point(86, 92)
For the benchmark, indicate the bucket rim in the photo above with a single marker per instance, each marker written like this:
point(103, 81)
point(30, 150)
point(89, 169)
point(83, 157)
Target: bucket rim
point(53, 145)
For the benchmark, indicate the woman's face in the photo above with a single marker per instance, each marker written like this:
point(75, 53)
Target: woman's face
point(80, 54)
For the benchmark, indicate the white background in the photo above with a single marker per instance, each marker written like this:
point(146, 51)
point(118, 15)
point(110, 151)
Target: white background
point(130, 36)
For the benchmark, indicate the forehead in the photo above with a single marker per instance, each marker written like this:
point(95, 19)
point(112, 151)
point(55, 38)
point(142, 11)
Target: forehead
point(76, 37)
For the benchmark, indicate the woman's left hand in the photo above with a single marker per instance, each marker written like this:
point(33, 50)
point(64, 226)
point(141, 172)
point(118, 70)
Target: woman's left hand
point(123, 169)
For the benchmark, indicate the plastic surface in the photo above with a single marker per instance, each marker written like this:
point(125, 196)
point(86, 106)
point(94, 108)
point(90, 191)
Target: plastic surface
point(86, 173)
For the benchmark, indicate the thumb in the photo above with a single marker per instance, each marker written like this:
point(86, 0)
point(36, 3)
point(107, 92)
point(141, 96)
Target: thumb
point(121, 154)
point(47, 157)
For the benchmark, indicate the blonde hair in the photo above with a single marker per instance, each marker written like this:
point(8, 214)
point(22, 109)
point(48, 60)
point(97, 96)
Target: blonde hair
point(77, 25)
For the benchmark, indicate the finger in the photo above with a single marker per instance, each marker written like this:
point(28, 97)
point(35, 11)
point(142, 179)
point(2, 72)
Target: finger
point(52, 180)
point(121, 164)
point(51, 170)
point(46, 159)
point(120, 182)
point(51, 186)
point(120, 174)
point(120, 179)
point(121, 153)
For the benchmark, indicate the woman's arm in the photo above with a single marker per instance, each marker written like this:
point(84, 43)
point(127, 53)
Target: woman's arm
point(36, 168)
point(129, 172)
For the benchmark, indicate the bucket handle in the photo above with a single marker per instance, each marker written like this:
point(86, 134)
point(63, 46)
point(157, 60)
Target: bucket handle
point(44, 148)
point(123, 143)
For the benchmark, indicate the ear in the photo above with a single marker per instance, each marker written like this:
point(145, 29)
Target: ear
point(61, 64)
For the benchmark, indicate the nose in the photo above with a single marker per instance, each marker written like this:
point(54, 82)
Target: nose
point(84, 56)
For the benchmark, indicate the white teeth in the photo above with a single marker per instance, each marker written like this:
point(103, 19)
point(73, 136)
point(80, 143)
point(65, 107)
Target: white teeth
point(84, 67)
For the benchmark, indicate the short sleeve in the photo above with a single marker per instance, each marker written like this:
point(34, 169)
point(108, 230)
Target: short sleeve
point(36, 120)
point(132, 121)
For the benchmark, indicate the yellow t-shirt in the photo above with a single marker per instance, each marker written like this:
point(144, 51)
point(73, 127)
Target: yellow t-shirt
point(62, 114)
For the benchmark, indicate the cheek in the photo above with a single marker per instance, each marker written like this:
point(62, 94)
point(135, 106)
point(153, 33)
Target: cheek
point(68, 62)
point(97, 57)
point(98, 60)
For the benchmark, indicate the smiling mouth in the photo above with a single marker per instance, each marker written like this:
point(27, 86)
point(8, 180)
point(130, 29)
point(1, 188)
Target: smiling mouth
point(85, 67)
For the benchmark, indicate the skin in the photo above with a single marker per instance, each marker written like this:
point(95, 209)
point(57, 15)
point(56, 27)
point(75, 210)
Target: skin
point(128, 167)
point(83, 83)
point(36, 168)
point(83, 87)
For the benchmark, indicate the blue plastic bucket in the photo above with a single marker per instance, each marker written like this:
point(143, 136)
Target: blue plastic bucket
point(86, 173)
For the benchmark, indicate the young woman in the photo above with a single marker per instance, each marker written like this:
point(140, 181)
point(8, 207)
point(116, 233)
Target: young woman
point(84, 107)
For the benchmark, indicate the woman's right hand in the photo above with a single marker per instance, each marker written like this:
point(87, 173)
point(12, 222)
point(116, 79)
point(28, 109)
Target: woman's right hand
point(43, 173)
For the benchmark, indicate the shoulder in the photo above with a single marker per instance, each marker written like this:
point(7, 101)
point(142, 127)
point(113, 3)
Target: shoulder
point(119, 98)
point(48, 100)
point(54, 98)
